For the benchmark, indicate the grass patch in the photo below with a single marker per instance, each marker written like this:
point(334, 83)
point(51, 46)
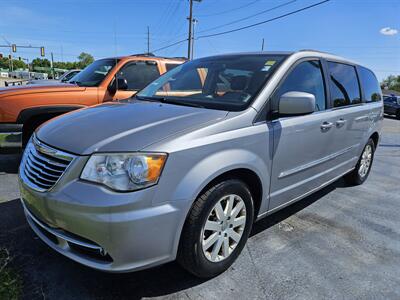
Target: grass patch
point(10, 283)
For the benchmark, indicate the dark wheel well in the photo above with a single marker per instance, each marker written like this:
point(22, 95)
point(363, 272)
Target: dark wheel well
point(32, 123)
point(375, 138)
point(249, 177)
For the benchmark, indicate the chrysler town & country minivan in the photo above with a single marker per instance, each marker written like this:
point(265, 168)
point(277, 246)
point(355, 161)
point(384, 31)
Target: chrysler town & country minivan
point(183, 169)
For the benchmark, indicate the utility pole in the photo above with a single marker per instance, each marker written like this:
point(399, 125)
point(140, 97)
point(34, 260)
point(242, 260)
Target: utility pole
point(190, 18)
point(262, 45)
point(11, 66)
point(192, 50)
point(51, 65)
point(148, 40)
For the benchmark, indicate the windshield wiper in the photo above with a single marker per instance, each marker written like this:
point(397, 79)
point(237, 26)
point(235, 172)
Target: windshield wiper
point(152, 99)
point(180, 102)
point(169, 101)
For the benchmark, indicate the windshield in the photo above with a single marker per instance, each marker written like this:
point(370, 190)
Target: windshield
point(94, 73)
point(223, 82)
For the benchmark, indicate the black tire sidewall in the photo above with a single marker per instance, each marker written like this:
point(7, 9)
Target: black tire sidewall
point(206, 267)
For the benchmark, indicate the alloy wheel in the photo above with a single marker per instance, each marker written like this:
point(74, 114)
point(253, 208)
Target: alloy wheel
point(223, 228)
point(365, 162)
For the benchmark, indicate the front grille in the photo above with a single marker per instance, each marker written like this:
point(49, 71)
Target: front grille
point(42, 166)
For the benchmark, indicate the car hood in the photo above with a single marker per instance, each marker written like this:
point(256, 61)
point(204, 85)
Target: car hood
point(36, 88)
point(120, 127)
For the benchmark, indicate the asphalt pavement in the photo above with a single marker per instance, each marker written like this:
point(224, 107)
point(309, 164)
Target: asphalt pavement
point(340, 243)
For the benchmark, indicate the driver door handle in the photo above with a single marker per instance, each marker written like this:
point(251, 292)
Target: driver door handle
point(326, 126)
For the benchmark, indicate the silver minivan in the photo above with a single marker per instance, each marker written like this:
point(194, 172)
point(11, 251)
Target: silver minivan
point(182, 170)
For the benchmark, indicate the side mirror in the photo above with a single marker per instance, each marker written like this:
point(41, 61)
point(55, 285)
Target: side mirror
point(122, 84)
point(118, 84)
point(296, 103)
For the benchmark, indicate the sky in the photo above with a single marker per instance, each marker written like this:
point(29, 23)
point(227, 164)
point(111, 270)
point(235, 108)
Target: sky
point(367, 31)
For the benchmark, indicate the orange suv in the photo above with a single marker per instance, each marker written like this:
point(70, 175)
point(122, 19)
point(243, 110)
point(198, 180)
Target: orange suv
point(24, 108)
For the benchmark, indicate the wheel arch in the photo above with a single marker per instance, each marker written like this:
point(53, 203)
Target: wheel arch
point(249, 177)
point(35, 116)
point(375, 138)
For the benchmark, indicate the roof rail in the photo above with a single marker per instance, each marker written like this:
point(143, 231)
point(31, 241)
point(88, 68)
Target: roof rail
point(143, 54)
point(313, 50)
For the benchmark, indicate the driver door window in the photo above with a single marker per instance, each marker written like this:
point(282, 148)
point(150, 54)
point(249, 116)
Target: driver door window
point(305, 77)
point(139, 74)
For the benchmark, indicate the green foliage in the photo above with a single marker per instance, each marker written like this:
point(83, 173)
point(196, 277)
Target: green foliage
point(392, 82)
point(41, 62)
point(5, 63)
point(85, 59)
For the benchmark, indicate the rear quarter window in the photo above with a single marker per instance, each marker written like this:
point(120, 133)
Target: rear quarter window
point(169, 67)
point(370, 85)
point(343, 84)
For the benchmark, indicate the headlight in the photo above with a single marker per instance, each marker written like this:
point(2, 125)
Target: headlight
point(124, 171)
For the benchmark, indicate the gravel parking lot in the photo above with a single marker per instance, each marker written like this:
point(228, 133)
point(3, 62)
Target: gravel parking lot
point(342, 242)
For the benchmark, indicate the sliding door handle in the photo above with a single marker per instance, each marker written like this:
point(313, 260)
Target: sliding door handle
point(340, 122)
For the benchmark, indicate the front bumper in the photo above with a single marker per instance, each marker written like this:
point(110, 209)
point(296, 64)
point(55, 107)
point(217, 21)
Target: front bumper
point(104, 230)
point(10, 136)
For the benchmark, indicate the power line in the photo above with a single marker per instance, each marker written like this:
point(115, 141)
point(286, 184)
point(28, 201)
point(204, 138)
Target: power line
point(249, 17)
point(176, 43)
point(263, 22)
point(229, 10)
point(248, 26)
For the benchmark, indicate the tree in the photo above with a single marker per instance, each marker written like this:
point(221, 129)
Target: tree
point(392, 82)
point(41, 62)
point(85, 59)
point(17, 64)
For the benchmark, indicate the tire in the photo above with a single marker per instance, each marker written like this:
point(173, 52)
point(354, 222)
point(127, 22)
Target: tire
point(209, 263)
point(357, 177)
point(398, 114)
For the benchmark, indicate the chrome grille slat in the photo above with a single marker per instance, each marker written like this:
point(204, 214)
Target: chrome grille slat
point(48, 161)
point(38, 176)
point(36, 161)
point(42, 166)
point(34, 180)
point(42, 172)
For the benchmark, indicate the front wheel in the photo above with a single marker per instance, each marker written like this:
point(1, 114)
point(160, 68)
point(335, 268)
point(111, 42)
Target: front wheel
point(363, 167)
point(216, 229)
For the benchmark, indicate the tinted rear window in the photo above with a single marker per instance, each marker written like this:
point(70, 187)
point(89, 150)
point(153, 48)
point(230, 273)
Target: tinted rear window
point(343, 84)
point(371, 88)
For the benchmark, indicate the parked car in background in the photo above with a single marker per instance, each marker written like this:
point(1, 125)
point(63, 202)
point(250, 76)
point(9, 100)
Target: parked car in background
point(185, 168)
point(63, 78)
point(392, 105)
point(24, 108)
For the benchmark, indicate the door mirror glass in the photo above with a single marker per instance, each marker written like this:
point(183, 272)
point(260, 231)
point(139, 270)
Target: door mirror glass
point(117, 84)
point(122, 84)
point(296, 103)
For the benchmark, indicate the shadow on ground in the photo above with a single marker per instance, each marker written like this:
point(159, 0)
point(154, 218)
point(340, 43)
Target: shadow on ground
point(9, 163)
point(48, 274)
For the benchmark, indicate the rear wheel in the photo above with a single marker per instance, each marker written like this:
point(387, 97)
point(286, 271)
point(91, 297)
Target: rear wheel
point(216, 229)
point(398, 114)
point(363, 167)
